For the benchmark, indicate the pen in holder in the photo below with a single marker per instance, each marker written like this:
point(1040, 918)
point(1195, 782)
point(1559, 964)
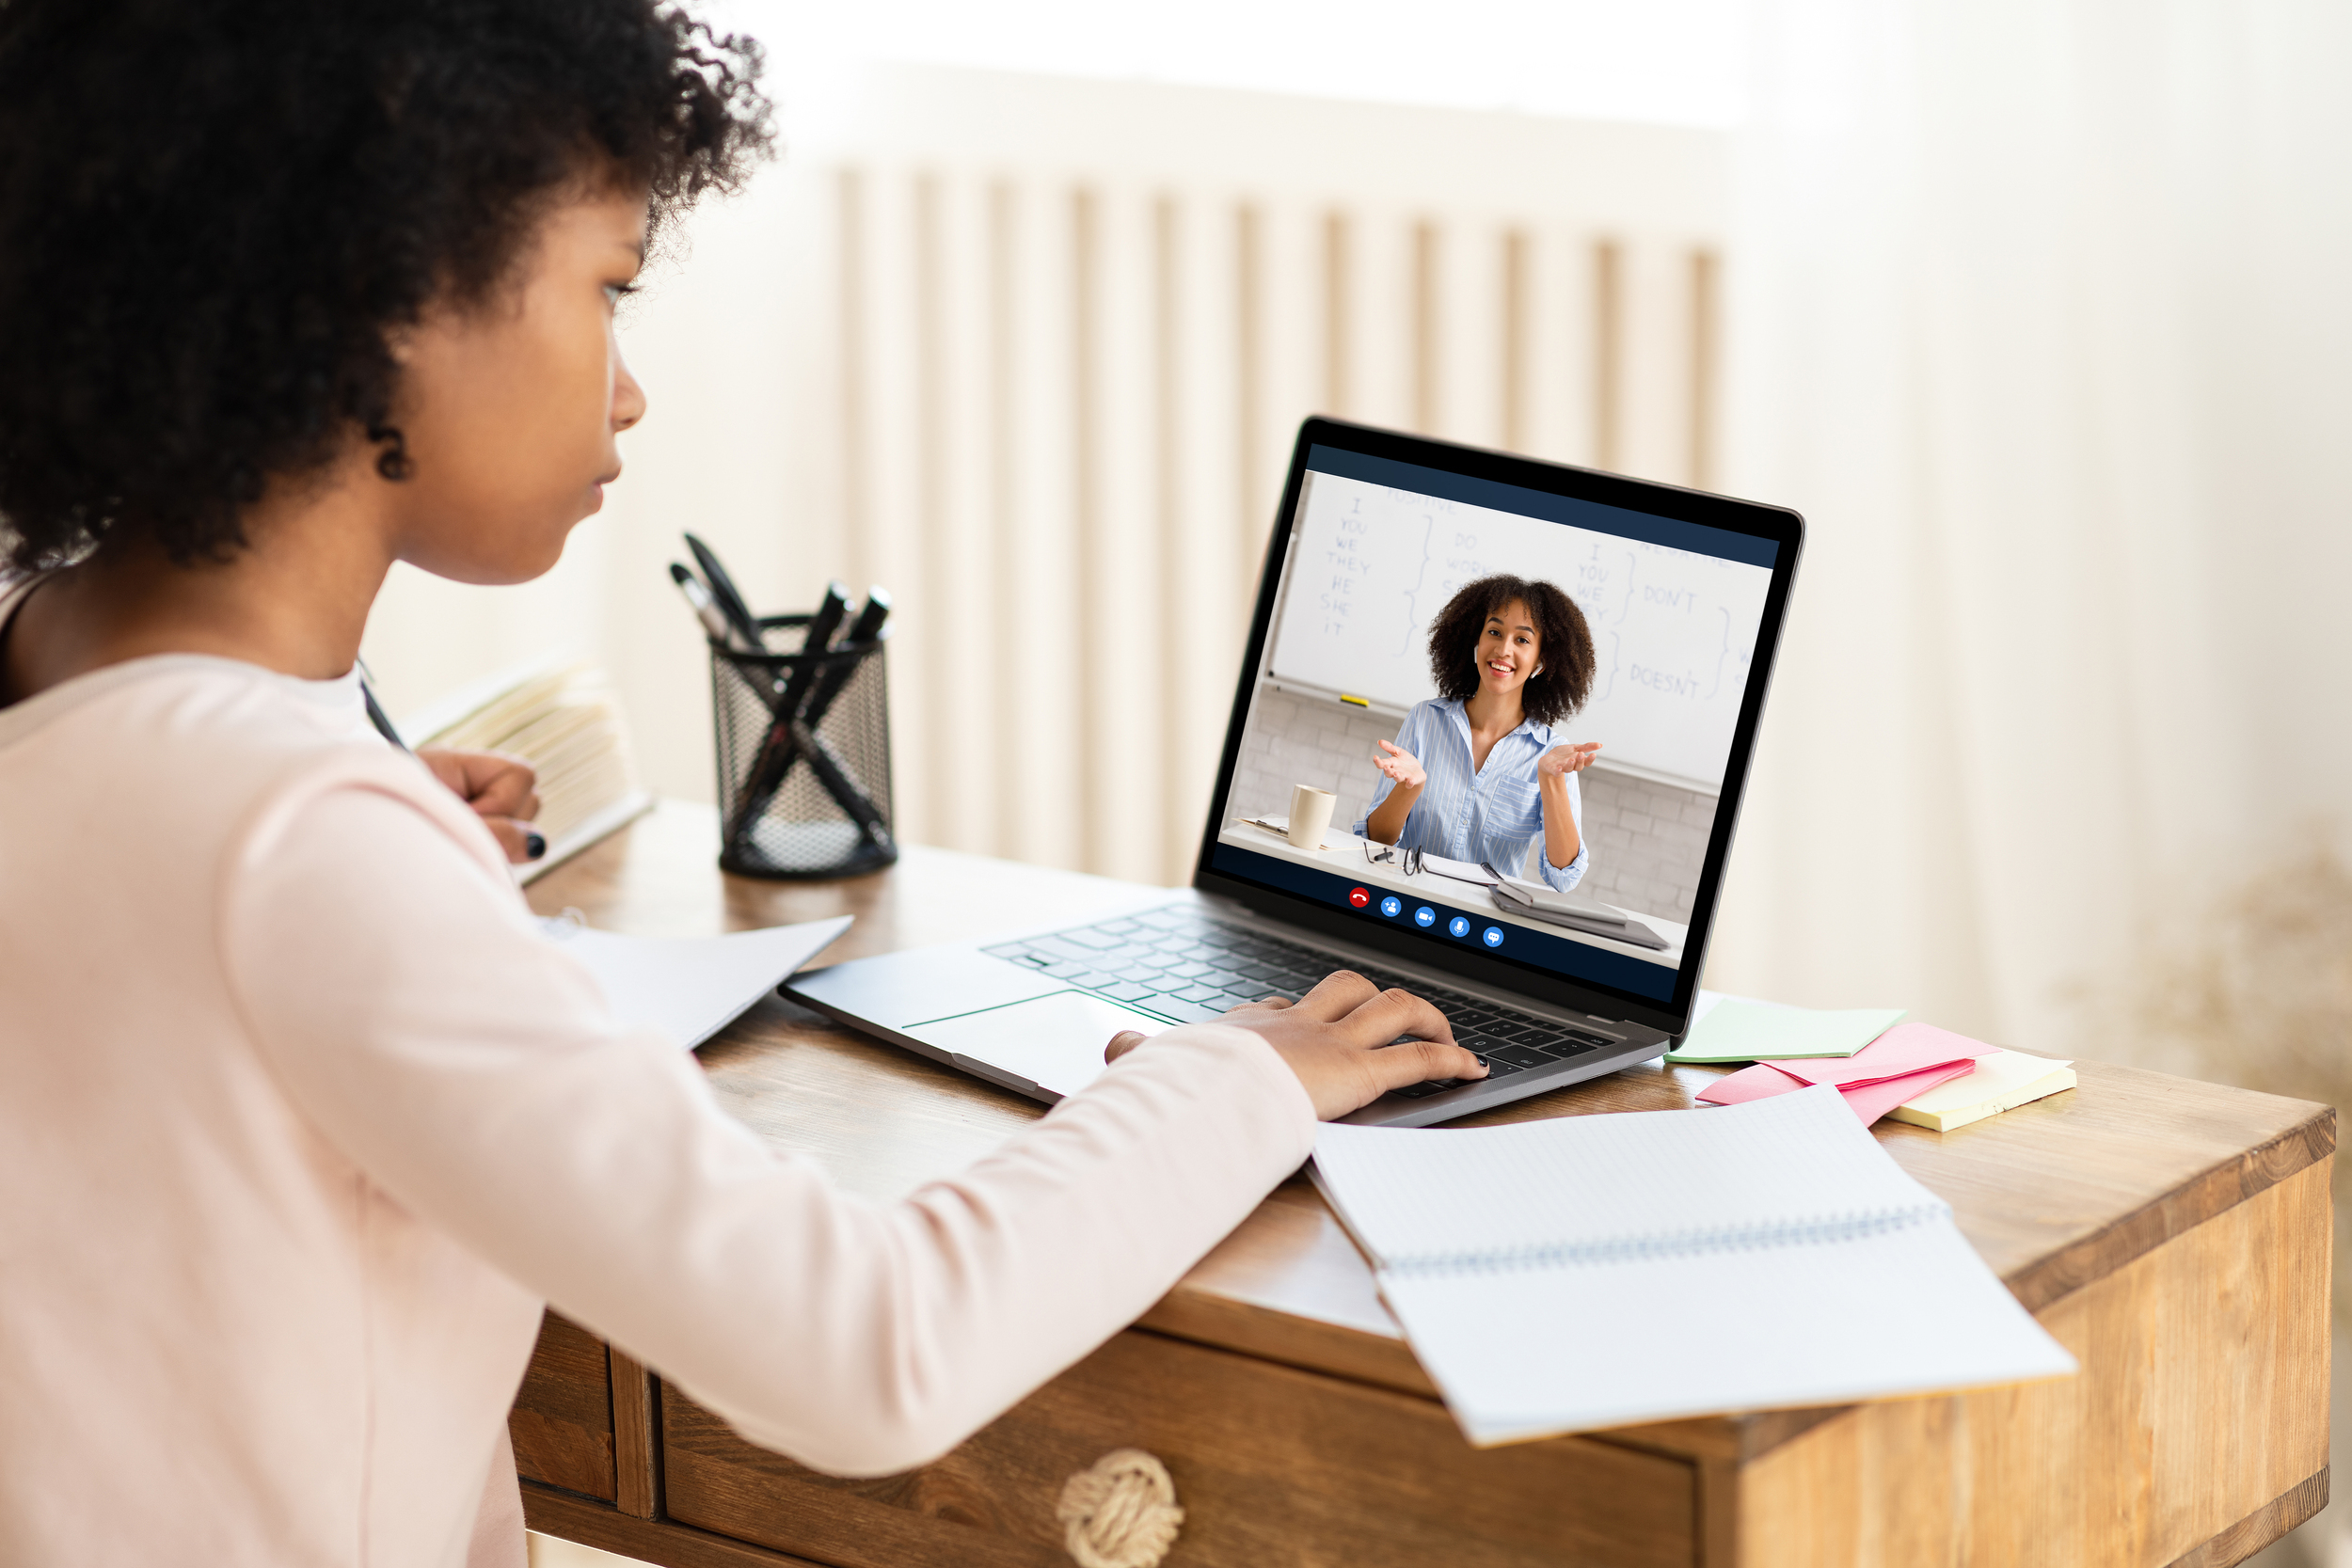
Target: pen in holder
point(804, 757)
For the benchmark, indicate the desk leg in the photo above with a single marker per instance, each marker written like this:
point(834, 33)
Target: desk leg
point(636, 1448)
point(1718, 1513)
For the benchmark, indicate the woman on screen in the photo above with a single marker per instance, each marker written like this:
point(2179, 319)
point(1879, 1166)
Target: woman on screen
point(1479, 773)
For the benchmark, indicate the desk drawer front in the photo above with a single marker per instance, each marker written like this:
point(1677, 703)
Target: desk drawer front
point(562, 1423)
point(1272, 1466)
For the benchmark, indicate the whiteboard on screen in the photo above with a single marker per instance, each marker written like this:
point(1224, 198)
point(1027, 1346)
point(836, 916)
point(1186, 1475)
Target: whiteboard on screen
point(1673, 631)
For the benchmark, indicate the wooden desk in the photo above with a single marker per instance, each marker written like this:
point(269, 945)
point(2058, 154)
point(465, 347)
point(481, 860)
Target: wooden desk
point(2174, 1235)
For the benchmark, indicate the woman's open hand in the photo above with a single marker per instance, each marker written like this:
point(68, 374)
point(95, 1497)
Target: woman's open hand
point(1337, 1037)
point(503, 790)
point(1401, 765)
point(1563, 760)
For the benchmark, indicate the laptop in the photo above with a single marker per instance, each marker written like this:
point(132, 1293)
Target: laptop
point(1552, 974)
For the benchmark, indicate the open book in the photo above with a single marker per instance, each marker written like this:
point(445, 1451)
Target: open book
point(1598, 1271)
point(562, 717)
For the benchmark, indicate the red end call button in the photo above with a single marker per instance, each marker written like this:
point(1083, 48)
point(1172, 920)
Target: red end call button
point(1360, 897)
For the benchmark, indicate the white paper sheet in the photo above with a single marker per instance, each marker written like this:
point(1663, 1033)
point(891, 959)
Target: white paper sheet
point(691, 987)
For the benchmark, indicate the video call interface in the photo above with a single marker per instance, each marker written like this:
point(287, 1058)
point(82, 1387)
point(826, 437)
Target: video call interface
point(1597, 656)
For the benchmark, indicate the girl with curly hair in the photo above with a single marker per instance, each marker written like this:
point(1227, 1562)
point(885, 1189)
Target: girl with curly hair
point(1480, 773)
point(304, 1121)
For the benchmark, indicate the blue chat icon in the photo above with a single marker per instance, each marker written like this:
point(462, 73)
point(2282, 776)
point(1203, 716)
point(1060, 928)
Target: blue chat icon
point(1425, 916)
point(1459, 926)
point(1391, 906)
point(1494, 936)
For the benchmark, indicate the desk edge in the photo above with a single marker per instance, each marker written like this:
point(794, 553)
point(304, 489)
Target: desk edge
point(2212, 1192)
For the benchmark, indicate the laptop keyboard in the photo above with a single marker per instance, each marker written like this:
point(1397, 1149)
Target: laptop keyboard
point(1181, 966)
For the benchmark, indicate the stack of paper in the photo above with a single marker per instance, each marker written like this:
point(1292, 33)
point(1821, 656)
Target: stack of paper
point(1535, 1265)
point(2002, 1081)
point(1908, 1059)
point(1914, 1073)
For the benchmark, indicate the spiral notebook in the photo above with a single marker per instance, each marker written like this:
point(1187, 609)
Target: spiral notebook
point(1598, 1271)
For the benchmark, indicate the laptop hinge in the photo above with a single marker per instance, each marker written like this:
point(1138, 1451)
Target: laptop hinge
point(1237, 912)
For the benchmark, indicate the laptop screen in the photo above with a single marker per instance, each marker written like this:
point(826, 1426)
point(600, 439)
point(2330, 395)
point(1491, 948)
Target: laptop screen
point(1526, 711)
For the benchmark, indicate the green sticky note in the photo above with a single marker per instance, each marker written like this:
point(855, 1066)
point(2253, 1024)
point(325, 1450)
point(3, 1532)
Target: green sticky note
point(1756, 1031)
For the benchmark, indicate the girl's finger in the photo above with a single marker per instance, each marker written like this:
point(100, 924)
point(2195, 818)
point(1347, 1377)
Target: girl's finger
point(1122, 1042)
point(1385, 1014)
point(1410, 1062)
point(1336, 995)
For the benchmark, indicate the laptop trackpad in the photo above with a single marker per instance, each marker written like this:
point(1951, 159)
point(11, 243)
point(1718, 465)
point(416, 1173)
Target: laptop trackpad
point(1054, 1042)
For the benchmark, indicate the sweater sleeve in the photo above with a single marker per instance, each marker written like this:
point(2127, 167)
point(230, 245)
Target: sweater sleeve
point(399, 992)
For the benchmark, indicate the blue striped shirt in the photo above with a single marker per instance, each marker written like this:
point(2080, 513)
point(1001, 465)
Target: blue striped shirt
point(1489, 815)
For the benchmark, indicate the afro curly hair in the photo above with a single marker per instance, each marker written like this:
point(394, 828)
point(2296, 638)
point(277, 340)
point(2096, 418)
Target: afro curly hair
point(214, 213)
point(1562, 644)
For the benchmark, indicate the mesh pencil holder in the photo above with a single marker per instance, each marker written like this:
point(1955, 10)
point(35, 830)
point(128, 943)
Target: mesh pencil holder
point(804, 757)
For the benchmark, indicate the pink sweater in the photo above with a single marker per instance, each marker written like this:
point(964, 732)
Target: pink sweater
point(301, 1122)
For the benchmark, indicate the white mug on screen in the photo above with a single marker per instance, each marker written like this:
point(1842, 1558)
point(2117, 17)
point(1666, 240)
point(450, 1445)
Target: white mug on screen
point(1310, 812)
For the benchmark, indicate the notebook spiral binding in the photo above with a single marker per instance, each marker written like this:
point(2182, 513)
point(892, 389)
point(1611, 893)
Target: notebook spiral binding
point(1827, 1229)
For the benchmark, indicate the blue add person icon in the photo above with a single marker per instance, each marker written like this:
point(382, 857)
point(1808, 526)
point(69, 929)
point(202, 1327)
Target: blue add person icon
point(1391, 906)
point(1425, 916)
point(1494, 936)
point(1459, 926)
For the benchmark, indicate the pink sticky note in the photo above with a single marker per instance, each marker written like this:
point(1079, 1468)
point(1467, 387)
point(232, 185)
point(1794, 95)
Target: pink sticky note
point(1868, 1101)
point(1906, 1047)
point(1873, 1100)
point(1760, 1082)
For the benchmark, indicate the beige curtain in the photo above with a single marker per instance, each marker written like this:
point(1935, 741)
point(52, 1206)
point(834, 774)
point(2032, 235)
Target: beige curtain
point(2038, 309)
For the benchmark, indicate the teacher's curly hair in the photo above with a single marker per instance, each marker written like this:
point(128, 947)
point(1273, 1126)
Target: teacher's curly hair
point(216, 215)
point(1563, 644)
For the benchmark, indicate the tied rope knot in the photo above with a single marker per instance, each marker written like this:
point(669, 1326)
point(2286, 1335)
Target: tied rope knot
point(1120, 1513)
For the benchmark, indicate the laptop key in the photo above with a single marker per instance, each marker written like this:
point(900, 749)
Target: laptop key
point(1127, 991)
point(1499, 1066)
point(1184, 1012)
point(1518, 1055)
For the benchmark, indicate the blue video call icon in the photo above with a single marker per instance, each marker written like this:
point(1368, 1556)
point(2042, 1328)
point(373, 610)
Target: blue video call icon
point(1425, 916)
point(1493, 936)
point(1391, 906)
point(1459, 926)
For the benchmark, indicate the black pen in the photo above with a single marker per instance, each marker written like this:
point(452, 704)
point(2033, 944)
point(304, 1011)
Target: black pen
point(777, 751)
point(707, 609)
point(866, 628)
point(724, 592)
point(821, 626)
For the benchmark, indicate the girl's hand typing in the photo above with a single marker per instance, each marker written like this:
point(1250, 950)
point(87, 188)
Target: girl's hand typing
point(1337, 1037)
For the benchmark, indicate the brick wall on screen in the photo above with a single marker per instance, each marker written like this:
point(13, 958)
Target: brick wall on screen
point(1648, 839)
